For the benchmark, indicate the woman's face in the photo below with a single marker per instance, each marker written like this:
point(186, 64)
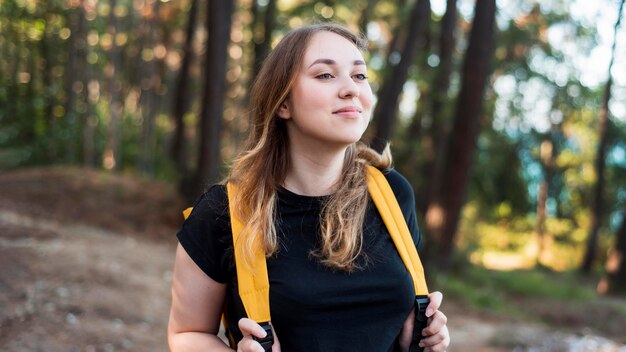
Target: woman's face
point(330, 103)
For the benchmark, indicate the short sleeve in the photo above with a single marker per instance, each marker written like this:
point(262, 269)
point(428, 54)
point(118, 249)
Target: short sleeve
point(406, 199)
point(206, 235)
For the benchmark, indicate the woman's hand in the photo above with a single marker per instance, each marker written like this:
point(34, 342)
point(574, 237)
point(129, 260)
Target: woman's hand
point(436, 335)
point(250, 328)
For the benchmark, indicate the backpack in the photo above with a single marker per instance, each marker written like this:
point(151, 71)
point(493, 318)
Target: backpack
point(253, 279)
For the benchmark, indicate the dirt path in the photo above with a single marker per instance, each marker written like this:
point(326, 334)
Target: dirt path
point(80, 288)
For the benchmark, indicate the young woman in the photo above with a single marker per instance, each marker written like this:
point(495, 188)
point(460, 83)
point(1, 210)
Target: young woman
point(337, 282)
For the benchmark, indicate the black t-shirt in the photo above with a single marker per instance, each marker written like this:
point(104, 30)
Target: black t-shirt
point(313, 308)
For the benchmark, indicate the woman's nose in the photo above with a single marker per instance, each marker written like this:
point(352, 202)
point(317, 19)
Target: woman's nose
point(349, 88)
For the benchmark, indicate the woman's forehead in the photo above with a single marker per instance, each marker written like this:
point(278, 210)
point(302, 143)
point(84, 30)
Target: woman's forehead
point(328, 45)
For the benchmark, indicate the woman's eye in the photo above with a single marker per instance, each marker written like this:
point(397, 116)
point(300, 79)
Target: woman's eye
point(360, 76)
point(324, 76)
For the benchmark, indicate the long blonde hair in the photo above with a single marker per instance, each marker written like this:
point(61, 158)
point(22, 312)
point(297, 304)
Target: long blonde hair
point(260, 169)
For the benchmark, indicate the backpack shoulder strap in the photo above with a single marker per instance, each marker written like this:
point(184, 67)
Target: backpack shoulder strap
point(392, 216)
point(254, 287)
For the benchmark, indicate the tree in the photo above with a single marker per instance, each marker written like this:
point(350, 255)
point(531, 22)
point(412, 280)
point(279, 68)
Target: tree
point(600, 162)
point(366, 15)
point(262, 35)
point(111, 159)
point(444, 212)
point(615, 278)
point(441, 123)
point(385, 113)
point(210, 124)
point(181, 94)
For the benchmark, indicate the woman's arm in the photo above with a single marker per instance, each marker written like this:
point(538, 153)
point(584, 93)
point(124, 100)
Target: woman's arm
point(197, 302)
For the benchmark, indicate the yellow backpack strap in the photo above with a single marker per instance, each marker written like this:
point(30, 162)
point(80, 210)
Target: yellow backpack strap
point(394, 220)
point(390, 211)
point(254, 286)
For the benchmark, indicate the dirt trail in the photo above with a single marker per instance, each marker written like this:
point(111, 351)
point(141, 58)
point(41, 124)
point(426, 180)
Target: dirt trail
point(80, 288)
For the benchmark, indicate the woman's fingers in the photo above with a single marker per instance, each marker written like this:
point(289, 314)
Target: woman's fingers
point(438, 342)
point(435, 324)
point(435, 302)
point(437, 335)
point(250, 328)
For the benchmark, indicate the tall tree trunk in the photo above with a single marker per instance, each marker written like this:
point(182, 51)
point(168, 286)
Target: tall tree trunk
point(46, 58)
point(385, 113)
point(614, 282)
point(74, 70)
point(603, 125)
point(440, 128)
point(181, 94)
point(443, 214)
point(398, 31)
point(365, 15)
point(151, 85)
point(111, 159)
point(91, 93)
point(263, 37)
point(547, 163)
point(209, 160)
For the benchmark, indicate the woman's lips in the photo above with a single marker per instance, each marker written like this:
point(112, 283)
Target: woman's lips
point(349, 112)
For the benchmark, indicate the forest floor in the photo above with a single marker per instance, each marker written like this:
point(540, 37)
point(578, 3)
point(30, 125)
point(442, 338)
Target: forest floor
point(86, 260)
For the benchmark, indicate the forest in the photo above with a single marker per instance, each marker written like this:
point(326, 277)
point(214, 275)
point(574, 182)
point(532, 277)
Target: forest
point(508, 117)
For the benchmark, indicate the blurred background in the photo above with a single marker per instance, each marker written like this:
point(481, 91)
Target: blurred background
point(508, 117)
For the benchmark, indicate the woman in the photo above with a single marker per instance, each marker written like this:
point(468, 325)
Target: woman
point(336, 280)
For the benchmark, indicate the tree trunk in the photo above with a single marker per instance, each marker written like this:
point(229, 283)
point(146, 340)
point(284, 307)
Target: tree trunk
point(46, 72)
point(547, 163)
point(150, 87)
point(603, 125)
point(365, 16)
point(614, 282)
point(443, 214)
point(111, 159)
point(74, 70)
point(209, 160)
point(263, 40)
point(440, 128)
point(181, 94)
point(385, 113)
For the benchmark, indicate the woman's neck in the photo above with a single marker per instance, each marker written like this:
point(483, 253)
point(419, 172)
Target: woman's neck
point(313, 172)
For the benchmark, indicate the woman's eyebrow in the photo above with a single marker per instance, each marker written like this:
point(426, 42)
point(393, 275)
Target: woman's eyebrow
point(333, 62)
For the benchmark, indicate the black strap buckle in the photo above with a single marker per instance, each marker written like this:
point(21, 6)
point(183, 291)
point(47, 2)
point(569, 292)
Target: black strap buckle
point(420, 322)
point(268, 340)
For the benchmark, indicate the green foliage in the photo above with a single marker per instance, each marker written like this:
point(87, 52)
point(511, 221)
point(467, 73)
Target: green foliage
point(495, 290)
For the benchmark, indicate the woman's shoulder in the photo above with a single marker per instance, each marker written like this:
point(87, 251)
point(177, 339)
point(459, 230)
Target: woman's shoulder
point(401, 187)
point(214, 201)
point(206, 235)
point(210, 215)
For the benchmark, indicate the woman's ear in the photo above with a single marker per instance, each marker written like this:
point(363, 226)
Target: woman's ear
point(283, 111)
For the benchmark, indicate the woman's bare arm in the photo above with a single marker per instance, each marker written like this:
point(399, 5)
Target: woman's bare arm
point(197, 302)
